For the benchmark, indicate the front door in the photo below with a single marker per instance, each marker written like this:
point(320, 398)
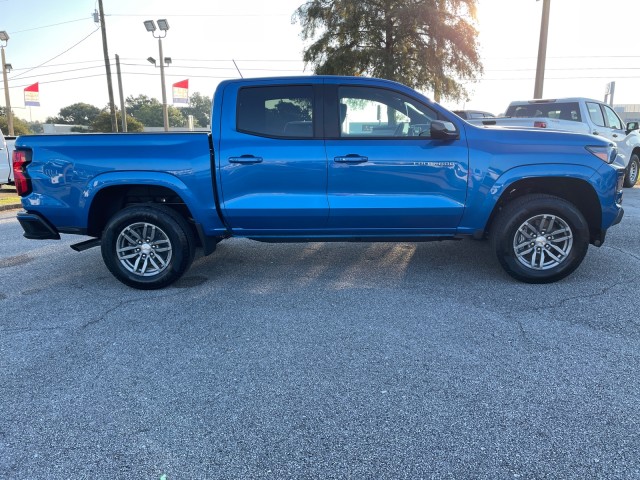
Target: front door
point(386, 175)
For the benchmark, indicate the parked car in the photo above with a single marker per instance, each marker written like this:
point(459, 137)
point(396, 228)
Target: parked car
point(286, 161)
point(577, 114)
point(467, 114)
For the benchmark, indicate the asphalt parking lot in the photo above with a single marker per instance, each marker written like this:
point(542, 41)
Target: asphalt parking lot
point(343, 360)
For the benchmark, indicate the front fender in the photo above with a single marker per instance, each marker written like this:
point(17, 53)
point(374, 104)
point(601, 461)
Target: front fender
point(484, 197)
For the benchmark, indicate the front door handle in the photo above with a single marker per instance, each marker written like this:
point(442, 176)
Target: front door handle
point(352, 158)
point(245, 159)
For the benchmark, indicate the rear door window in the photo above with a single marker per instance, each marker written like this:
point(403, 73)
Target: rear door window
point(276, 111)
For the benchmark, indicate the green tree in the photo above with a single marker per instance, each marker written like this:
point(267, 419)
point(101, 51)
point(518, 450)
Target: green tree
point(76, 114)
point(36, 127)
point(102, 123)
point(20, 127)
point(200, 108)
point(426, 44)
point(149, 111)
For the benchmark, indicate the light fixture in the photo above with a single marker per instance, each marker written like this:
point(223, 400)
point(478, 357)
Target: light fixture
point(163, 24)
point(150, 25)
point(4, 36)
point(151, 60)
point(8, 67)
point(167, 60)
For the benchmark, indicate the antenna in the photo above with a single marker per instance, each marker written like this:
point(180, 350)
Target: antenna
point(236, 65)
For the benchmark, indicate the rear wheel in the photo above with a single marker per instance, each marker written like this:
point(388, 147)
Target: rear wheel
point(540, 238)
point(631, 175)
point(147, 247)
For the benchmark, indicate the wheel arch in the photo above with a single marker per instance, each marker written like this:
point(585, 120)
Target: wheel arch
point(113, 198)
point(576, 191)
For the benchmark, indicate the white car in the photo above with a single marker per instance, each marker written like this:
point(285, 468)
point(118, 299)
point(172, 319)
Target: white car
point(6, 172)
point(577, 114)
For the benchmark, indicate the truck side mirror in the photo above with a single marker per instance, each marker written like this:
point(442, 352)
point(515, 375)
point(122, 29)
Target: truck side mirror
point(631, 126)
point(443, 131)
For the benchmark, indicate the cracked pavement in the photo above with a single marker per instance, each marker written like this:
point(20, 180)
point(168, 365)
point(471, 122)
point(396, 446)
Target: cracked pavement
point(320, 360)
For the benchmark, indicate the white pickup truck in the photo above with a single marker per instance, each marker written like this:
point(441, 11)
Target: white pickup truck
point(581, 115)
point(6, 173)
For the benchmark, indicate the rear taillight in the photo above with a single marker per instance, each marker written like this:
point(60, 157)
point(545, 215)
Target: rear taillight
point(538, 124)
point(21, 158)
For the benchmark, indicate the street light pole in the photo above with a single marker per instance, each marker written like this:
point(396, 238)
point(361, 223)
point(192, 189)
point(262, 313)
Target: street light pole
point(165, 109)
point(542, 49)
point(4, 37)
point(163, 25)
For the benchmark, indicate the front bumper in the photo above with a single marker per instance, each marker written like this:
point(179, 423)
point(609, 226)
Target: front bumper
point(36, 227)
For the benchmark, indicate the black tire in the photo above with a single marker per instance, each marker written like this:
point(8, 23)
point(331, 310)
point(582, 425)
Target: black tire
point(152, 262)
point(527, 250)
point(631, 174)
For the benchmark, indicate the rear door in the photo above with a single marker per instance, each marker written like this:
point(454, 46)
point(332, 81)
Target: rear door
point(386, 175)
point(272, 160)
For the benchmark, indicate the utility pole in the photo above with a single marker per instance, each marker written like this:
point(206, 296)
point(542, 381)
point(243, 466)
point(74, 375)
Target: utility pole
point(123, 110)
point(112, 108)
point(542, 49)
point(4, 38)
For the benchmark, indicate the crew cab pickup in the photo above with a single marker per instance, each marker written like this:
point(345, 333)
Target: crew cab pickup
point(321, 158)
point(582, 115)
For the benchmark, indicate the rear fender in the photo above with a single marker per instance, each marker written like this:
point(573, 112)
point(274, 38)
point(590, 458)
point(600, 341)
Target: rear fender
point(201, 205)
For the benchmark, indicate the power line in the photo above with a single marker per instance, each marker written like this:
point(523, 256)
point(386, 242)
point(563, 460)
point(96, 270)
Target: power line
point(48, 26)
point(187, 15)
point(61, 71)
point(559, 69)
point(60, 54)
point(58, 65)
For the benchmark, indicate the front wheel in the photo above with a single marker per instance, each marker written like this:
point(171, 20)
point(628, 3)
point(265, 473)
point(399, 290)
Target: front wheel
point(540, 238)
point(147, 247)
point(631, 175)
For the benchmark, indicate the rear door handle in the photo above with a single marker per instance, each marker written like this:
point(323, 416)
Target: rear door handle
point(351, 159)
point(245, 159)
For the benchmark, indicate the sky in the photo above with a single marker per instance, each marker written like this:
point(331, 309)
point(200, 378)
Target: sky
point(57, 44)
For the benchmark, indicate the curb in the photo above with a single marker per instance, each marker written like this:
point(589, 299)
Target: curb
point(10, 207)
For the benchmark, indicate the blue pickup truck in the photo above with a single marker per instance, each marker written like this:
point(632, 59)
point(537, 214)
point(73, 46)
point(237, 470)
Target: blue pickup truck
point(321, 158)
